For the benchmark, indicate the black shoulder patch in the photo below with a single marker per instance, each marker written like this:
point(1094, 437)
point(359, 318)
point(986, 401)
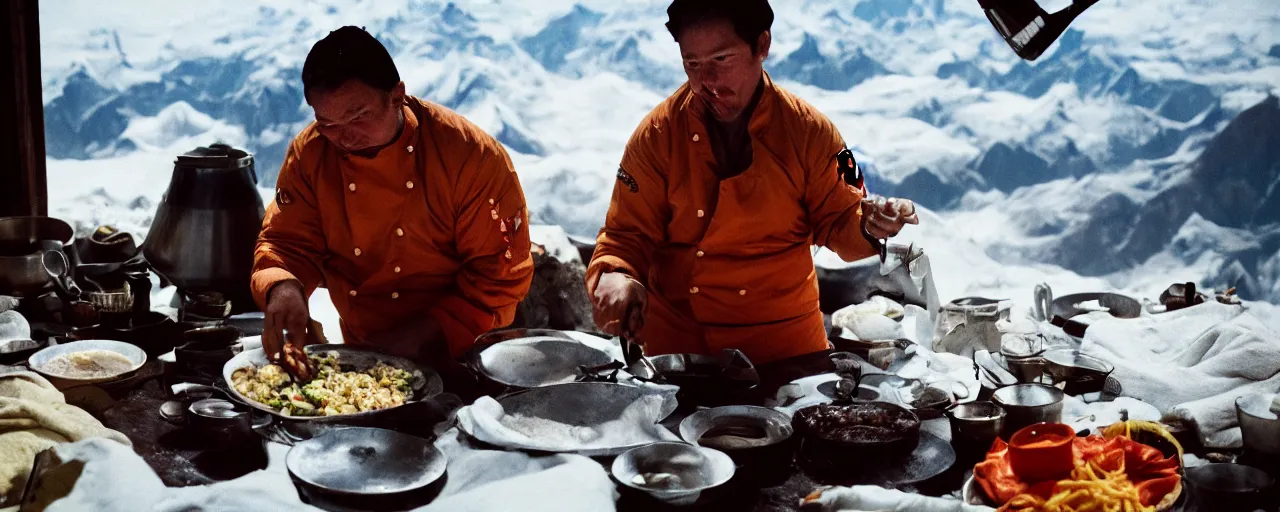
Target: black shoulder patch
point(627, 180)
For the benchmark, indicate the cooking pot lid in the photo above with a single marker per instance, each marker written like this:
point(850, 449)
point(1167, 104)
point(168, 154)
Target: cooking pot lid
point(215, 156)
point(360, 460)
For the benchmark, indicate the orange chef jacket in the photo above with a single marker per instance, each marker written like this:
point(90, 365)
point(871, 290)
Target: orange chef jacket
point(728, 263)
point(434, 224)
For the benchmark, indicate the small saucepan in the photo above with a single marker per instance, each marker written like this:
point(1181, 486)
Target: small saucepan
point(725, 379)
point(1028, 404)
point(365, 468)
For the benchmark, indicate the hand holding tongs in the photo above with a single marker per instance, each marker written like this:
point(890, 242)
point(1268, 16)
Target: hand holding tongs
point(633, 352)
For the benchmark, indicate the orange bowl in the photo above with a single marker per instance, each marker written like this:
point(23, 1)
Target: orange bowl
point(1042, 452)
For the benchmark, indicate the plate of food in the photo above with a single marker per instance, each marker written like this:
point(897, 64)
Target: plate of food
point(348, 383)
point(88, 361)
point(1046, 467)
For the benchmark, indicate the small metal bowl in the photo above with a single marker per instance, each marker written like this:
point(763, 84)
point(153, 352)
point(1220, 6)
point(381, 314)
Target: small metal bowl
point(695, 470)
point(758, 439)
point(1067, 365)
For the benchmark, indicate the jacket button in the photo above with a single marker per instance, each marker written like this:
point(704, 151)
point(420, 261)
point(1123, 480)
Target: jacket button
point(395, 295)
point(397, 269)
point(410, 148)
point(742, 292)
point(701, 214)
point(357, 251)
point(408, 184)
point(701, 254)
point(399, 232)
point(693, 290)
point(353, 293)
point(696, 138)
point(351, 187)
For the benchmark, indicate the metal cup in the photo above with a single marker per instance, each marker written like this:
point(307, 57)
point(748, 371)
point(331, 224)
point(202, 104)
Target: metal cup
point(975, 425)
point(1259, 427)
point(1028, 404)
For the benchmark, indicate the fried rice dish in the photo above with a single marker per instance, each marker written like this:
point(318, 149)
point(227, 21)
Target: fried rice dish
point(332, 392)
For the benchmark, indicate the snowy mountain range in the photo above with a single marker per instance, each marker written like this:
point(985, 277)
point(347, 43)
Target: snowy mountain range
point(1142, 149)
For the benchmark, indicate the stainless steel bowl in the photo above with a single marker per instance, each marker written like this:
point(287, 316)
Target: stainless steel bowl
point(1028, 404)
point(1259, 427)
point(693, 470)
point(975, 425)
point(39, 361)
point(755, 427)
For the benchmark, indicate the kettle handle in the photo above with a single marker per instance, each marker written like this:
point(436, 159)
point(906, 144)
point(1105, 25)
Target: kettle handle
point(1043, 301)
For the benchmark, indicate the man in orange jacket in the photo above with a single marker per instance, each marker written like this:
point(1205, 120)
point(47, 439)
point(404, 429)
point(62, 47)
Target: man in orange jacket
point(411, 216)
point(722, 191)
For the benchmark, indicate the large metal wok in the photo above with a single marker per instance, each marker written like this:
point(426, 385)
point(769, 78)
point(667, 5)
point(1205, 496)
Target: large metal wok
point(426, 382)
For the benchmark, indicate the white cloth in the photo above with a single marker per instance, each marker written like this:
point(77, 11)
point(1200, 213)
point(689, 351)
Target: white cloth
point(116, 479)
point(487, 421)
point(867, 498)
point(13, 326)
point(1098, 415)
point(7, 303)
point(1192, 363)
point(488, 480)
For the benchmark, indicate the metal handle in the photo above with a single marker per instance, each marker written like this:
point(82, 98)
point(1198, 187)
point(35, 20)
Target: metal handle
point(1043, 302)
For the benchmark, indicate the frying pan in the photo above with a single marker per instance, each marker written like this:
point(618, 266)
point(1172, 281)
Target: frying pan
point(517, 359)
point(426, 382)
point(366, 469)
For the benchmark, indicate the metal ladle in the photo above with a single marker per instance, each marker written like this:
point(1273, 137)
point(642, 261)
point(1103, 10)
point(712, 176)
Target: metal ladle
point(58, 267)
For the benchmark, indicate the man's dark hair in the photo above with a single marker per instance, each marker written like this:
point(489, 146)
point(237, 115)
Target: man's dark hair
point(750, 18)
point(348, 53)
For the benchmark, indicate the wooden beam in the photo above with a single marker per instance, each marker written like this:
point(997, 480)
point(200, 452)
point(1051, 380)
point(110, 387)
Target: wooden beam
point(22, 154)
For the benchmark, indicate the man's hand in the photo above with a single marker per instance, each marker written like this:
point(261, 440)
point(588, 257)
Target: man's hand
point(882, 218)
point(285, 325)
point(620, 303)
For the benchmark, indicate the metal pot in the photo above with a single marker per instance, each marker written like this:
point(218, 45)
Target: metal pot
point(207, 224)
point(22, 251)
point(704, 380)
point(366, 469)
point(1259, 426)
point(1230, 487)
point(1028, 404)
